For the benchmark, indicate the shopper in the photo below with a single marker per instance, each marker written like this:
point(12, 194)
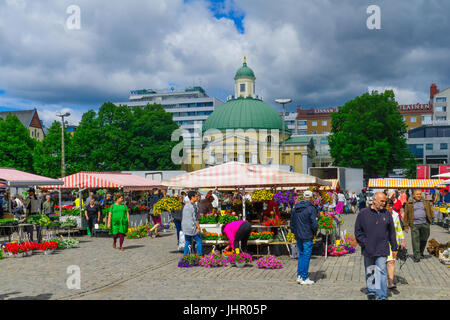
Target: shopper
point(190, 224)
point(178, 217)
point(92, 214)
point(205, 205)
point(354, 202)
point(32, 206)
point(403, 198)
point(304, 226)
point(400, 241)
point(237, 233)
point(418, 217)
point(47, 206)
point(398, 206)
point(91, 196)
point(374, 231)
point(118, 218)
point(446, 197)
point(362, 199)
point(340, 203)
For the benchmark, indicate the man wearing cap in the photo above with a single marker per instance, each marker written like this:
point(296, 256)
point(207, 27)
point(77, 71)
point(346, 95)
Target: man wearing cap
point(304, 226)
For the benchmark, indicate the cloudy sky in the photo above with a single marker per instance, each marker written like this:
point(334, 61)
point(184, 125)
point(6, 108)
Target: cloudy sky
point(319, 53)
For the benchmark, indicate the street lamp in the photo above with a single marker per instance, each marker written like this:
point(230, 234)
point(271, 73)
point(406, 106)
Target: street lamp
point(283, 102)
point(62, 115)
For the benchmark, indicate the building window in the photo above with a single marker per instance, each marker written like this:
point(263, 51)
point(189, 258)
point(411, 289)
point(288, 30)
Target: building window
point(269, 139)
point(426, 119)
point(444, 146)
point(314, 132)
point(441, 99)
point(242, 87)
point(429, 146)
point(413, 119)
point(324, 140)
point(314, 123)
point(302, 122)
point(441, 109)
point(441, 118)
point(324, 122)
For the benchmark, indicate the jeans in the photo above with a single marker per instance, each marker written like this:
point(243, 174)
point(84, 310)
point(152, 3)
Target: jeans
point(376, 276)
point(304, 256)
point(188, 241)
point(178, 226)
point(91, 223)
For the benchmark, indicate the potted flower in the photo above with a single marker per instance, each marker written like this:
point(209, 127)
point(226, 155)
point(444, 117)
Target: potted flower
point(189, 260)
point(240, 259)
point(269, 262)
point(213, 260)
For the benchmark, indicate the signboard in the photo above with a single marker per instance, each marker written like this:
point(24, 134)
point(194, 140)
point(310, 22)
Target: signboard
point(423, 171)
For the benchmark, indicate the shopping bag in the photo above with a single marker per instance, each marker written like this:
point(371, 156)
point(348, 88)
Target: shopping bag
point(181, 241)
point(294, 250)
point(88, 231)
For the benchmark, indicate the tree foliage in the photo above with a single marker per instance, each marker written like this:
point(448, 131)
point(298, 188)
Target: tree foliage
point(47, 153)
point(16, 145)
point(120, 138)
point(369, 132)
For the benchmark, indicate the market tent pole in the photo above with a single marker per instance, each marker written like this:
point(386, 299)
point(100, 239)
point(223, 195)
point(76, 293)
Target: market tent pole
point(60, 206)
point(243, 204)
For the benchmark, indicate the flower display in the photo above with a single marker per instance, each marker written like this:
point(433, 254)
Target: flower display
point(290, 237)
point(210, 236)
point(261, 195)
point(47, 245)
point(189, 260)
point(269, 262)
point(273, 222)
point(326, 221)
point(68, 210)
point(240, 258)
point(265, 235)
point(166, 204)
point(317, 198)
point(39, 219)
point(326, 197)
point(208, 219)
point(227, 218)
point(212, 260)
point(136, 208)
point(285, 197)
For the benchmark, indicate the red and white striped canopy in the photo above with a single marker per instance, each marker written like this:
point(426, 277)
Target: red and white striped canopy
point(405, 183)
point(107, 180)
point(242, 175)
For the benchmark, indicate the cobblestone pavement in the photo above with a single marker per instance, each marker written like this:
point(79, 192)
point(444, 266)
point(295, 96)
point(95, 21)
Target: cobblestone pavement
point(147, 269)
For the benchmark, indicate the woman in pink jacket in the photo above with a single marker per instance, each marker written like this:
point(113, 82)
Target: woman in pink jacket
point(237, 231)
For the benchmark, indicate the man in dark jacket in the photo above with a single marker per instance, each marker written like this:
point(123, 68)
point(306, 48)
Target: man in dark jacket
point(374, 231)
point(304, 226)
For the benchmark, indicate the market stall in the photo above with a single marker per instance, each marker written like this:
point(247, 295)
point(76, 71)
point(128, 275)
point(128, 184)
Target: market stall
point(404, 183)
point(13, 178)
point(107, 180)
point(334, 185)
point(243, 176)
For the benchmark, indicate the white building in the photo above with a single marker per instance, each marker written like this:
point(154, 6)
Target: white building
point(439, 100)
point(189, 107)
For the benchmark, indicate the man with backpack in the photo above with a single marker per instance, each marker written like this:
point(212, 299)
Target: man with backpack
point(362, 199)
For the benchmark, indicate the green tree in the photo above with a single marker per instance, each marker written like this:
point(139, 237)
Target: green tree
point(16, 145)
point(369, 132)
point(47, 153)
point(122, 138)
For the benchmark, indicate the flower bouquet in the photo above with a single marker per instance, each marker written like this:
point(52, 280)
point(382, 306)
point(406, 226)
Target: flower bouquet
point(291, 237)
point(213, 260)
point(269, 262)
point(166, 204)
point(261, 195)
point(240, 259)
point(189, 260)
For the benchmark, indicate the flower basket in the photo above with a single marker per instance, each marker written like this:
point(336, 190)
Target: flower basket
point(19, 255)
point(189, 260)
point(166, 204)
point(239, 258)
point(269, 262)
point(212, 260)
point(47, 252)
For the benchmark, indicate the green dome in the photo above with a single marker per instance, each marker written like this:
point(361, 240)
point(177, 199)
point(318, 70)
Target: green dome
point(244, 72)
point(244, 113)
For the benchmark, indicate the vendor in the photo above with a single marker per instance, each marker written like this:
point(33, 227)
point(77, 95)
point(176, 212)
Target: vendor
point(237, 231)
point(272, 206)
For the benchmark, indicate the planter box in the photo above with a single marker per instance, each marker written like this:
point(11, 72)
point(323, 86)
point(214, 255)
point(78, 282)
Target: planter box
point(213, 228)
point(209, 241)
point(263, 241)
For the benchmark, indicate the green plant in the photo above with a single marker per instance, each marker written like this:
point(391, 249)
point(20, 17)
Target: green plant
point(226, 219)
point(208, 219)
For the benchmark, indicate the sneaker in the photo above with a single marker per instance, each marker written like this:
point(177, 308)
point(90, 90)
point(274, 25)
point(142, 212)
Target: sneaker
point(299, 279)
point(307, 281)
point(371, 297)
point(416, 260)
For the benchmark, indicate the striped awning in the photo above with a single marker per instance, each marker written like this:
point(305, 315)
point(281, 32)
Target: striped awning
point(334, 185)
point(404, 183)
point(242, 175)
point(106, 180)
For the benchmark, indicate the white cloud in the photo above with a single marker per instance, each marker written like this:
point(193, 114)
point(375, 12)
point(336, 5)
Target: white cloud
point(403, 96)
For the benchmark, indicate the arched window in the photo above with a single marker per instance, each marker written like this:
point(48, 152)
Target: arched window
point(269, 139)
